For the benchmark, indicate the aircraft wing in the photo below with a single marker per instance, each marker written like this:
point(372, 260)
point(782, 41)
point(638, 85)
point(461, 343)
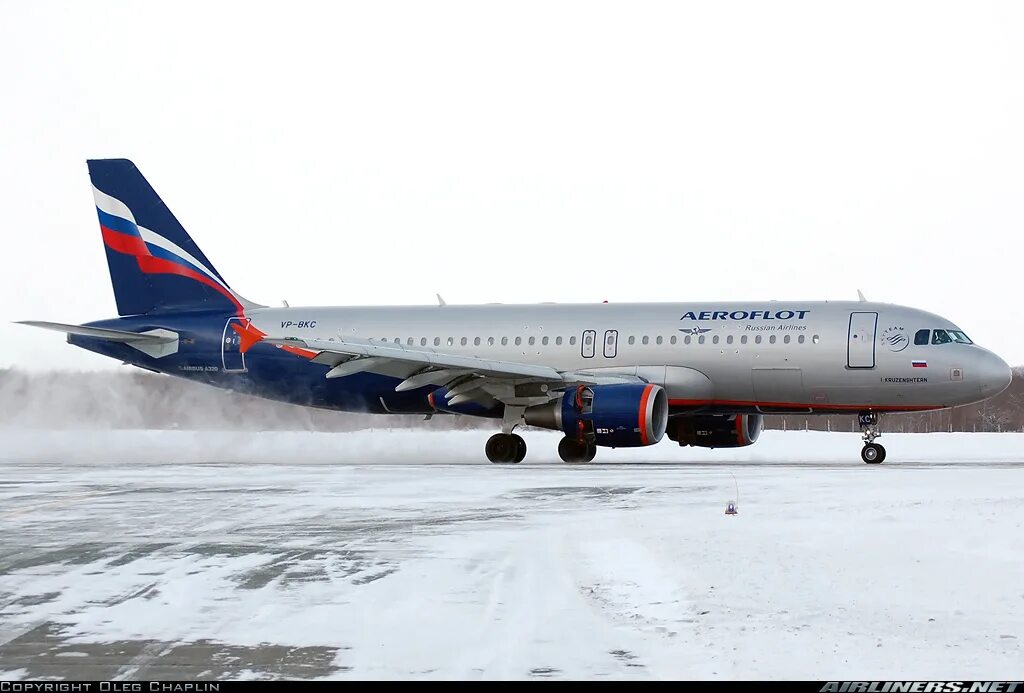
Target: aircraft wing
point(467, 377)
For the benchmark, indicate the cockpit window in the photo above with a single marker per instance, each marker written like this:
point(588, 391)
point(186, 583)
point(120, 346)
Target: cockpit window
point(959, 337)
point(921, 337)
point(940, 337)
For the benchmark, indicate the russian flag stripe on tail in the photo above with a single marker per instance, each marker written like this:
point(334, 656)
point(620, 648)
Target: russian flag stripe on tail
point(155, 266)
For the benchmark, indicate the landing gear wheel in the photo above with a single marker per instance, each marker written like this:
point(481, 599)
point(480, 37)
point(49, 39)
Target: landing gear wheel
point(572, 450)
point(873, 453)
point(520, 448)
point(502, 448)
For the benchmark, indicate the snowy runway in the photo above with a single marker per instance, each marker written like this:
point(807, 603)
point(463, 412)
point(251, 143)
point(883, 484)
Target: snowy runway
point(172, 555)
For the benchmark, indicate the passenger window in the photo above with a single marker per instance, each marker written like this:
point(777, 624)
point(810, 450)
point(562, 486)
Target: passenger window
point(437, 341)
point(476, 341)
point(490, 341)
point(815, 339)
point(688, 339)
point(504, 341)
point(572, 340)
point(921, 337)
point(658, 340)
point(757, 339)
point(800, 339)
point(743, 339)
point(715, 339)
point(544, 341)
point(940, 337)
point(771, 340)
point(464, 341)
point(645, 339)
point(786, 339)
point(672, 340)
point(632, 340)
point(558, 341)
point(519, 340)
point(423, 341)
point(532, 340)
point(728, 340)
point(701, 340)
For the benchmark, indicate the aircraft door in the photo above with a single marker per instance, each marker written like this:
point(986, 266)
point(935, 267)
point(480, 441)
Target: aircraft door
point(231, 346)
point(611, 339)
point(860, 346)
point(589, 337)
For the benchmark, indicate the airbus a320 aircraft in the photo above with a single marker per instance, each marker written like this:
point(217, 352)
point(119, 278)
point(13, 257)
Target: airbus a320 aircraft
point(611, 375)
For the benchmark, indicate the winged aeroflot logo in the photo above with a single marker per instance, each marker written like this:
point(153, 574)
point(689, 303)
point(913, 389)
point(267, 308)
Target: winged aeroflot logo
point(694, 330)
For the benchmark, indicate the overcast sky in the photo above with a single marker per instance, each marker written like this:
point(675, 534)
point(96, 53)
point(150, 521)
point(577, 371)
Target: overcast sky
point(378, 152)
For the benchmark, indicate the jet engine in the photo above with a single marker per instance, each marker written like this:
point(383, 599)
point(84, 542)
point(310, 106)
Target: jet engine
point(716, 431)
point(618, 416)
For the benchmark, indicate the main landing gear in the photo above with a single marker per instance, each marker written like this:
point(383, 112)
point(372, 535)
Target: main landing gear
point(506, 448)
point(872, 452)
point(573, 450)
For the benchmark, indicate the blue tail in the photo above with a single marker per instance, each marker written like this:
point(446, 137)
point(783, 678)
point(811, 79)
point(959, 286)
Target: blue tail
point(155, 267)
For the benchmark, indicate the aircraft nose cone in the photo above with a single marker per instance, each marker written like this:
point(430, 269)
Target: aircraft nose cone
point(994, 374)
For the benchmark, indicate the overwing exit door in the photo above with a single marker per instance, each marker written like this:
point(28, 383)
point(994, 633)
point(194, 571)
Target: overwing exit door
point(860, 346)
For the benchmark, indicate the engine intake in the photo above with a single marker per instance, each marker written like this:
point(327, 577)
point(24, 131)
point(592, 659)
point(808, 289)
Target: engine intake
point(618, 416)
point(711, 431)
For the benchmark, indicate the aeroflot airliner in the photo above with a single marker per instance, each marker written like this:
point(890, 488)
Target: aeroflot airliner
point(611, 375)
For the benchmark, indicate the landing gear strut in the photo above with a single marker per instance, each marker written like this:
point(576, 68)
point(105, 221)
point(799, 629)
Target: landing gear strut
point(506, 448)
point(872, 452)
point(573, 450)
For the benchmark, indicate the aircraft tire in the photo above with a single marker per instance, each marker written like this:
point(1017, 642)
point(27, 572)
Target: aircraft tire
point(520, 448)
point(873, 453)
point(501, 448)
point(571, 450)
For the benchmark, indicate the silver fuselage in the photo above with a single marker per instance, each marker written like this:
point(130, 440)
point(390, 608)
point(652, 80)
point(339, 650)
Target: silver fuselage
point(763, 356)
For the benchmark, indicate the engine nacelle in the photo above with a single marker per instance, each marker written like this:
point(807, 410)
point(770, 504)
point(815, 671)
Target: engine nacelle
point(618, 416)
point(710, 431)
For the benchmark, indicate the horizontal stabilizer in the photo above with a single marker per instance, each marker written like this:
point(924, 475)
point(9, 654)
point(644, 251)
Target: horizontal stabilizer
point(156, 343)
point(103, 333)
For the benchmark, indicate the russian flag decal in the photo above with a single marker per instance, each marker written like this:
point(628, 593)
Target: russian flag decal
point(919, 364)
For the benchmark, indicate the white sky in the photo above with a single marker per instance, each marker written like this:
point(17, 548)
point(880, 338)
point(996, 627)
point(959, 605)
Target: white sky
point(379, 152)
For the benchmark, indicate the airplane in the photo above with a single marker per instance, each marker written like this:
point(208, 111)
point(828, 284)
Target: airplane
point(603, 374)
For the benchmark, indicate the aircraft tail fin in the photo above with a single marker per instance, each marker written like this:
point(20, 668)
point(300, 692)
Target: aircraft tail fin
point(155, 266)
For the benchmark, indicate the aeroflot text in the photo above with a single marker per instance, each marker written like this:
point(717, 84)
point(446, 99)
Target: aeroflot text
point(746, 315)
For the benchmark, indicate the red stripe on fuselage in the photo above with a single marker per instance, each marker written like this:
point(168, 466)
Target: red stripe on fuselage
point(792, 405)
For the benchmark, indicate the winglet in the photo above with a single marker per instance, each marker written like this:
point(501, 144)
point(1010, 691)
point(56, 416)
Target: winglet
point(440, 301)
point(861, 296)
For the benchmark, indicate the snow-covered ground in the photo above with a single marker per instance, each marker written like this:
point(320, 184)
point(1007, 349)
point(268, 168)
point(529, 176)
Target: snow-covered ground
point(145, 554)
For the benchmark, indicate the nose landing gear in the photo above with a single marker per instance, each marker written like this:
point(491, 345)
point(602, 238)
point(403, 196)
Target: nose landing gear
point(872, 452)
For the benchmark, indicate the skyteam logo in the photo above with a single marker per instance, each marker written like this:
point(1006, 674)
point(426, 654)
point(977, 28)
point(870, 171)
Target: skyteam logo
point(746, 315)
point(895, 338)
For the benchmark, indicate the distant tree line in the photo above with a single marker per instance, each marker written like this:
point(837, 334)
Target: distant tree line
point(64, 399)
